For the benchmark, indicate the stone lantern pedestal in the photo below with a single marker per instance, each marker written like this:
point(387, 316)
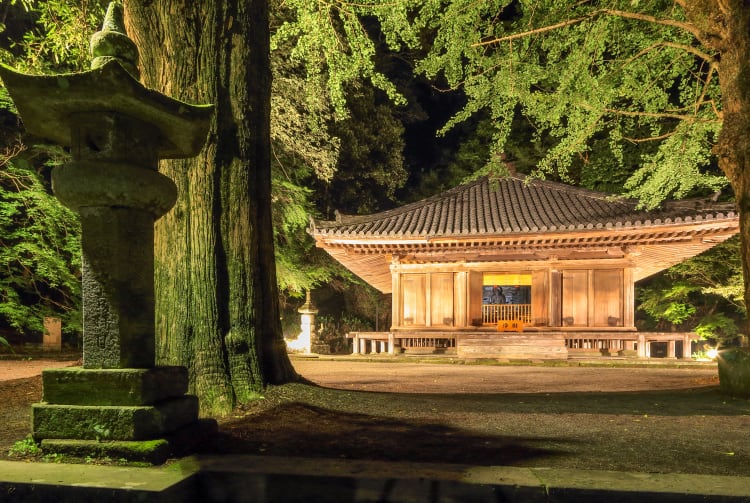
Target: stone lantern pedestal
point(119, 403)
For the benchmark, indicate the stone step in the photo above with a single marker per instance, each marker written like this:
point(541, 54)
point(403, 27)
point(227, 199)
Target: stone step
point(95, 422)
point(80, 386)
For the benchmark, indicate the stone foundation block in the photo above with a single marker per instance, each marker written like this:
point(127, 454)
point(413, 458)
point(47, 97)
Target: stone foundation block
point(79, 386)
point(88, 422)
point(156, 451)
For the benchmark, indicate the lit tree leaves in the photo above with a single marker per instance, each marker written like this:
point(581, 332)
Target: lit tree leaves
point(39, 238)
point(581, 73)
point(333, 42)
point(39, 253)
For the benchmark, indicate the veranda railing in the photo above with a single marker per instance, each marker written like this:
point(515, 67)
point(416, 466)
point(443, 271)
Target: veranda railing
point(492, 313)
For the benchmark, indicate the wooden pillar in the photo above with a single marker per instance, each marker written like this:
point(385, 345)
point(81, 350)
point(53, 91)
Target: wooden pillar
point(687, 350)
point(555, 299)
point(396, 302)
point(461, 299)
point(362, 345)
point(642, 351)
point(628, 298)
point(671, 349)
point(355, 344)
point(391, 343)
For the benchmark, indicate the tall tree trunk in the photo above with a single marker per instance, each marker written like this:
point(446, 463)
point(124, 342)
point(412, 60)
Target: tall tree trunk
point(726, 25)
point(217, 301)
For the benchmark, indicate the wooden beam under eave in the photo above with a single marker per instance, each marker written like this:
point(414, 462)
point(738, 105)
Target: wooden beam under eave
point(652, 259)
point(374, 269)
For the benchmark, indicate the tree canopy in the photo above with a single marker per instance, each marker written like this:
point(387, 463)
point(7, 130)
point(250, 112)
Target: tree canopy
point(617, 96)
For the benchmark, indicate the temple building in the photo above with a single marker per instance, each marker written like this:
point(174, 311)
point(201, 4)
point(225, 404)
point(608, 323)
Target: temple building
point(517, 267)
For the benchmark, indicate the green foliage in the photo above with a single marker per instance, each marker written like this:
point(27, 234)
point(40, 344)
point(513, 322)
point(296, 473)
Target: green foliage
point(304, 149)
point(669, 303)
point(717, 326)
point(702, 294)
point(596, 85)
point(39, 253)
point(335, 145)
point(333, 329)
point(332, 41)
point(718, 273)
point(370, 167)
point(57, 39)
point(25, 447)
point(40, 244)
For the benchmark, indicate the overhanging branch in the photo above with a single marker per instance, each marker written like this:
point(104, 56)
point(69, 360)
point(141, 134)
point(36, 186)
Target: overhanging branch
point(601, 12)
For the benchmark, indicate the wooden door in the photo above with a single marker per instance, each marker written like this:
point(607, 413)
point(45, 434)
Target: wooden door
point(575, 298)
point(608, 298)
point(441, 299)
point(413, 294)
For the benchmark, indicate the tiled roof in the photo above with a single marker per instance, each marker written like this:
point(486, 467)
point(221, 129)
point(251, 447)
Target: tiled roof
point(515, 205)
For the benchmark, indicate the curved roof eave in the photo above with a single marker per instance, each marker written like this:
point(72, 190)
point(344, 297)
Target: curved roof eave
point(483, 210)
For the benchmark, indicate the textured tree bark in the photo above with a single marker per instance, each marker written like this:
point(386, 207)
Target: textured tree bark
point(725, 25)
point(216, 295)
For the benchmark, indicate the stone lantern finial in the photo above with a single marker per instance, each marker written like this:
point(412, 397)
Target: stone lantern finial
point(113, 43)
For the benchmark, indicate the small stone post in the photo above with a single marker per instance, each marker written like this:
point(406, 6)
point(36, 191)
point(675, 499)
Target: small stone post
point(117, 131)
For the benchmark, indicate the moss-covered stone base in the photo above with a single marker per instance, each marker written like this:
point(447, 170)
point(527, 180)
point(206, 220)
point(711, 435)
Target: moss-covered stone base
point(155, 451)
point(135, 414)
point(734, 372)
point(113, 422)
point(148, 451)
point(79, 386)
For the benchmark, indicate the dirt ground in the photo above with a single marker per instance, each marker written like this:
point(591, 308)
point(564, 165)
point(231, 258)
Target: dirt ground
point(647, 419)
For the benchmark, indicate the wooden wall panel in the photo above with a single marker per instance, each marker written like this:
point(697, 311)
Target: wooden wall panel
point(414, 291)
point(575, 296)
point(441, 299)
point(539, 298)
point(608, 297)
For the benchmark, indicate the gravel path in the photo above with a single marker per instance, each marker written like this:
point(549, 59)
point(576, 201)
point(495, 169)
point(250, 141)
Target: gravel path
point(21, 369)
point(447, 378)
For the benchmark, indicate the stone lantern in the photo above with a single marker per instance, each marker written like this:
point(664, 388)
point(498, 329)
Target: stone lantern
point(117, 131)
point(307, 313)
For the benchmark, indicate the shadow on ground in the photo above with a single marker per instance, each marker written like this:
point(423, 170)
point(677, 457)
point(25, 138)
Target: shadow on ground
point(681, 431)
point(318, 432)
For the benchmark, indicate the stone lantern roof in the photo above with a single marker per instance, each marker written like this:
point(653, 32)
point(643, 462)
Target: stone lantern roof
point(50, 104)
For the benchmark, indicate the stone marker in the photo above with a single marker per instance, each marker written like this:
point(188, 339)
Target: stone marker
point(117, 131)
point(52, 338)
